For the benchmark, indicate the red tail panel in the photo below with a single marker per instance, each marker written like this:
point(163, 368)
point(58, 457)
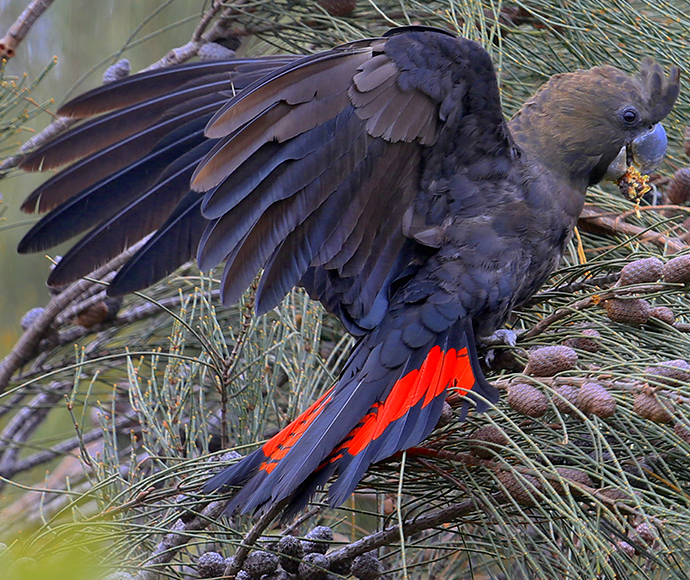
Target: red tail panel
point(438, 371)
point(278, 446)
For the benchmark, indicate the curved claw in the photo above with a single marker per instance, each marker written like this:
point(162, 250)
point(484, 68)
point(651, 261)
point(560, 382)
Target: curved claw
point(502, 336)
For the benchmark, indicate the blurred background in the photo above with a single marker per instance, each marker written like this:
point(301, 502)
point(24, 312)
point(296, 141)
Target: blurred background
point(142, 32)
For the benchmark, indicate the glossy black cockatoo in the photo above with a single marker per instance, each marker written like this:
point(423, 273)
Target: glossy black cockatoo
point(382, 177)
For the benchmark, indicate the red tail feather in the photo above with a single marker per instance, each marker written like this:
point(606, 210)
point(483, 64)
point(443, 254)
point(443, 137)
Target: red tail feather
point(278, 446)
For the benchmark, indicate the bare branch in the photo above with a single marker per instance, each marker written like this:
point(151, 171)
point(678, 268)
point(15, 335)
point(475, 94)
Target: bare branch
point(412, 526)
point(21, 27)
point(26, 346)
point(594, 218)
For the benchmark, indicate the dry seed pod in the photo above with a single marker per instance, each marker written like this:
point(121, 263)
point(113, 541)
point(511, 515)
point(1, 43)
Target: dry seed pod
point(210, 565)
point(30, 317)
point(102, 311)
point(615, 494)
point(518, 486)
point(313, 567)
point(587, 342)
point(446, 415)
point(279, 574)
point(682, 432)
point(647, 532)
point(678, 189)
point(663, 313)
point(570, 394)
point(574, 475)
point(641, 272)
point(214, 51)
point(527, 400)
point(338, 7)
point(647, 406)
point(596, 400)
point(672, 373)
point(550, 360)
point(317, 540)
point(677, 270)
point(633, 311)
point(487, 434)
point(633, 184)
point(117, 71)
point(367, 567)
point(626, 548)
point(259, 563)
point(290, 552)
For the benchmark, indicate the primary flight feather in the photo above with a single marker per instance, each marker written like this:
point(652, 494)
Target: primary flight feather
point(382, 177)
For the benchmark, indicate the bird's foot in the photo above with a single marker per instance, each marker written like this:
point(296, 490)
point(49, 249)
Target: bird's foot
point(493, 357)
point(502, 337)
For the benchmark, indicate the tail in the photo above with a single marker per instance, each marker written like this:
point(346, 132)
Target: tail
point(374, 411)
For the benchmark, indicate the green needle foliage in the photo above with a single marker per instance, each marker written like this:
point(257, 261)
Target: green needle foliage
point(156, 399)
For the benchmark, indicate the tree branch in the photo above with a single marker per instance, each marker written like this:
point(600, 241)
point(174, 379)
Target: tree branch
point(21, 27)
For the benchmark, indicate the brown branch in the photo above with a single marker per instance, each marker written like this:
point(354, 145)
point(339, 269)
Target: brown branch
point(595, 219)
point(218, 31)
point(58, 126)
point(24, 424)
point(409, 528)
point(252, 536)
point(61, 448)
point(216, 5)
point(588, 302)
point(21, 27)
point(25, 348)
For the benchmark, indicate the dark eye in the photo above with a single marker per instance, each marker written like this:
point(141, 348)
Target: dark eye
point(630, 116)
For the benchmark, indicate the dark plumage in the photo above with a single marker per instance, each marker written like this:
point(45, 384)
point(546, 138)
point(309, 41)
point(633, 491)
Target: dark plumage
point(381, 176)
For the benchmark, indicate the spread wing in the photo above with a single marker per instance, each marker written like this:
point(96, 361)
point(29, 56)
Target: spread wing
point(315, 168)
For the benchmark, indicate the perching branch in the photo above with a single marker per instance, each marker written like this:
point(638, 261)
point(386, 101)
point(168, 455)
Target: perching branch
point(594, 219)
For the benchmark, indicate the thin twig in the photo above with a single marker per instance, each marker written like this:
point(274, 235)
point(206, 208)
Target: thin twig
point(231, 362)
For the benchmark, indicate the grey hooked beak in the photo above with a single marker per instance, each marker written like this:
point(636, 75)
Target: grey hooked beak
point(645, 152)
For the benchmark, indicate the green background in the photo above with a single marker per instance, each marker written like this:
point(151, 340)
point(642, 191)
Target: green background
point(83, 35)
